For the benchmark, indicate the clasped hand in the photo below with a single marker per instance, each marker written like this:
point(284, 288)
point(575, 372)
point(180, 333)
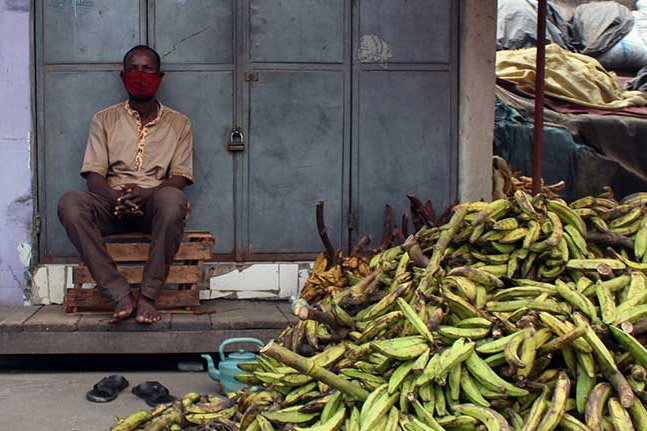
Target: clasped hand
point(128, 198)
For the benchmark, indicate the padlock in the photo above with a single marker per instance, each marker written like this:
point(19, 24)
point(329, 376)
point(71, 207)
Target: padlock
point(237, 141)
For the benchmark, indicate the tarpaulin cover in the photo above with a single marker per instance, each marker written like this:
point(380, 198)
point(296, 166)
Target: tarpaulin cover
point(639, 83)
point(517, 25)
point(597, 26)
point(513, 140)
point(576, 78)
point(587, 151)
point(565, 107)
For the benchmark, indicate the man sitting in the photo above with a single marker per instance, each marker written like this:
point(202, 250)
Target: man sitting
point(139, 157)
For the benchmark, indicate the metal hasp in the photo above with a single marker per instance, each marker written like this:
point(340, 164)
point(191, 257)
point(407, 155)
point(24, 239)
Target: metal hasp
point(237, 141)
point(540, 69)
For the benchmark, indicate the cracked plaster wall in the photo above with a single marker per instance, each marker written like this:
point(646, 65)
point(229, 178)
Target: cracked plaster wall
point(15, 125)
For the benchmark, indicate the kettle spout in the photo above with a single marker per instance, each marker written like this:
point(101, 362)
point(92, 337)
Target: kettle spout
point(213, 372)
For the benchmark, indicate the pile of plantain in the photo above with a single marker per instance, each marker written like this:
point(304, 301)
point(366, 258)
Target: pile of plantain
point(333, 274)
point(522, 314)
point(505, 181)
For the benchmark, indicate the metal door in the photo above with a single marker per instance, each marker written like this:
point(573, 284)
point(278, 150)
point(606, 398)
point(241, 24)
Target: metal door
point(404, 106)
point(80, 46)
point(294, 75)
point(197, 43)
point(297, 100)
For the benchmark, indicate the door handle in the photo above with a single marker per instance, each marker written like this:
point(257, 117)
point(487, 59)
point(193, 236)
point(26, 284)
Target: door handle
point(236, 141)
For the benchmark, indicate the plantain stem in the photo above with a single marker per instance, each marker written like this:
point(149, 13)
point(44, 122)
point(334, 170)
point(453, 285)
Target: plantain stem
point(415, 252)
point(610, 238)
point(622, 387)
point(310, 313)
point(308, 367)
point(323, 232)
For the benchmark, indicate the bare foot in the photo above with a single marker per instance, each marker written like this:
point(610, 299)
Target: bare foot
point(146, 311)
point(123, 309)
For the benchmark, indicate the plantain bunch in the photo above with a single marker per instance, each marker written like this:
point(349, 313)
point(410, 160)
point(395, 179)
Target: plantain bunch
point(505, 182)
point(329, 275)
point(524, 314)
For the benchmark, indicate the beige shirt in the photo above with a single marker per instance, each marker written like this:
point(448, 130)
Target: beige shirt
point(124, 150)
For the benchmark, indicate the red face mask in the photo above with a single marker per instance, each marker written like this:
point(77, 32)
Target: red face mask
point(141, 85)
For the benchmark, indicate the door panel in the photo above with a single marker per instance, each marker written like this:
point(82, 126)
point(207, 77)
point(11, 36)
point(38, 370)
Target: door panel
point(297, 31)
point(207, 99)
point(97, 31)
point(404, 145)
point(67, 121)
point(199, 31)
point(315, 101)
point(295, 159)
point(404, 31)
point(404, 113)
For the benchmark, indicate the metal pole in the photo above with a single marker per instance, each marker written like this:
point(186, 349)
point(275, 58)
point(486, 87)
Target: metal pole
point(540, 69)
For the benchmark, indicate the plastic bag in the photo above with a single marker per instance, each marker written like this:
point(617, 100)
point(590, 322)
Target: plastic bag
point(598, 26)
point(630, 53)
point(517, 25)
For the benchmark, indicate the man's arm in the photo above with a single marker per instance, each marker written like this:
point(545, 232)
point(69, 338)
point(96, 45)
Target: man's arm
point(98, 184)
point(177, 181)
point(134, 194)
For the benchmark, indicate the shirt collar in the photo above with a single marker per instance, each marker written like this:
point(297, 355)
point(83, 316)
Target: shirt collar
point(135, 114)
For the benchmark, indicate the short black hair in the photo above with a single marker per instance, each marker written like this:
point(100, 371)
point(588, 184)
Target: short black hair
point(147, 48)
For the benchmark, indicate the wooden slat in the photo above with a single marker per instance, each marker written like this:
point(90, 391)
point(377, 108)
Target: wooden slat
point(190, 322)
point(12, 320)
point(94, 322)
point(51, 318)
point(100, 322)
point(91, 299)
point(286, 309)
point(95, 336)
point(188, 234)
point(238, 315)
point(164, 342)
point(131, 325)
point(138, 252)
point(178, 274)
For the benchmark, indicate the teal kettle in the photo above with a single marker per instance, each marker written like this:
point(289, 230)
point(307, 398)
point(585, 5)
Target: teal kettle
point(228, 365)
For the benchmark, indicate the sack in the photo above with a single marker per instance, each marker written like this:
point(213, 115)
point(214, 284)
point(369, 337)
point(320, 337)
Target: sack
point(641, 6)
point(596, 27)
point(630, 53)
point(517, 25)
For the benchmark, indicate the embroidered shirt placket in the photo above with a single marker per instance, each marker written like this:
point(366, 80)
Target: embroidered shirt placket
point(142, 132)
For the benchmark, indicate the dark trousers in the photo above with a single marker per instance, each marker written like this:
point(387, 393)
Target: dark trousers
point(87, 217)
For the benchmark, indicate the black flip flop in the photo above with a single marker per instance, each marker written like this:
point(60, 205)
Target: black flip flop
point(107, 389)
point(154, 393)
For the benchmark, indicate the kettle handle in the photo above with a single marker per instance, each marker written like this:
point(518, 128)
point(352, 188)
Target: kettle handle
point(221, 349)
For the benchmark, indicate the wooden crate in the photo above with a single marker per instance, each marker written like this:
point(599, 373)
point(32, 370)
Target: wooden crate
point(130, 252)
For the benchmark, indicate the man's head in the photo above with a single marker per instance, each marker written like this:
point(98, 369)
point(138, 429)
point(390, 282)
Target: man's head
point(143, 58)
point(141, 75)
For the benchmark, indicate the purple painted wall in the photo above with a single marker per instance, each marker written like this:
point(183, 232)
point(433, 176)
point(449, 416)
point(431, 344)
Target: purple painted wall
point(15, 127)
